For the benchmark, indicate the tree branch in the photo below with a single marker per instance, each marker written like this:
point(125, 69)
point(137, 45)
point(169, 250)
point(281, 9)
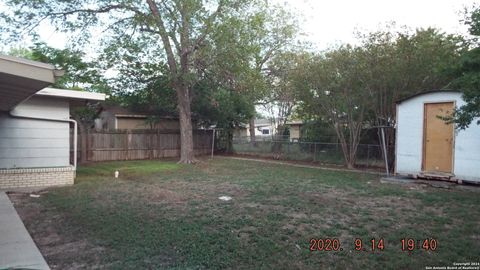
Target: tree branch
point(199, 41)
point(164, 36)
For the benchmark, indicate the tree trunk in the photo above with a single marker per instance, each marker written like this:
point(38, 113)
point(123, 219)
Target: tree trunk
point(186, 134)
point(251, 127)
point(83, 142)
point(229, 146)
point(349, 161)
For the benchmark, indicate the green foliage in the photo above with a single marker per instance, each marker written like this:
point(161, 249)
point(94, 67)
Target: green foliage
point(469, 83)
point(281, 98)
point(224, 42)
point(400, 64)
point(79, 74)
point(20, 52)
point(318, 131)
point(353, 87)
point(472, 20)
point(221, 107)
point(152, 95)
point(467, 80)
point(330, 90)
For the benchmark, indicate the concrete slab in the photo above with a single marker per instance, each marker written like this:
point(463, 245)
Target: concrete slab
point(397, 179)
point(17, 249)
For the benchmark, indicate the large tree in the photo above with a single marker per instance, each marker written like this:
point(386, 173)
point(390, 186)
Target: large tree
point(174, 32)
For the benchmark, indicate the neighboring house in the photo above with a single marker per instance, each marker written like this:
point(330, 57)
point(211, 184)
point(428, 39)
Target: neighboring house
point(294, 127)
point(35, 125)
point(264, 128)
point(119, 118)
point(427, 147)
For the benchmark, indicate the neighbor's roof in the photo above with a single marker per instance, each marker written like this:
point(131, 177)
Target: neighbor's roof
point(21, 78)
point(116, 109)
point(121, 112)
point(262, 122)
point(70, 94)
point(426, 93)
point(294, 122)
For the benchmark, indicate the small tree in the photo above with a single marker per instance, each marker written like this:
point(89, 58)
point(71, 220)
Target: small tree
point(280, 100)
point(330, 90)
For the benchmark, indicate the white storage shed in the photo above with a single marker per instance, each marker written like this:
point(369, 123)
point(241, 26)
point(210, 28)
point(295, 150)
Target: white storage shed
point(427, 147)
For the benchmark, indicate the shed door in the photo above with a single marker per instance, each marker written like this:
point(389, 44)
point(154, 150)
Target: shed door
point(438, 138)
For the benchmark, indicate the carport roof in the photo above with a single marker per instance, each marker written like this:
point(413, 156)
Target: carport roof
point(70, 94)
point(21, 78)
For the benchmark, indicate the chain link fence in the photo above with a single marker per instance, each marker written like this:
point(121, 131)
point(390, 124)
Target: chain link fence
point(368, 155)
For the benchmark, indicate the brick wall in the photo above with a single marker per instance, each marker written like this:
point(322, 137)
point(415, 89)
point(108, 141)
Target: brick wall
point(36, 177)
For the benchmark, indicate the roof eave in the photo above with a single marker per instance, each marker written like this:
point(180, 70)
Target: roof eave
point(425, 93)
point(70, 94)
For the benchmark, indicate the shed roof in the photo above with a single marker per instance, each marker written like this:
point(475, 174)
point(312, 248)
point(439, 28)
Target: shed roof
point(426, 93)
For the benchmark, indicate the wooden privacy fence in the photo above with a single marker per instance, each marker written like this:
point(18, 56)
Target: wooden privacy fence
point(140, 144)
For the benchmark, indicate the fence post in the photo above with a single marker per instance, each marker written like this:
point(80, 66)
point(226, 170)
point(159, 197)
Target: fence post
point(213, 141)
point(368, 155)
point(87, 145)
point(126, 145)
point(314, 152)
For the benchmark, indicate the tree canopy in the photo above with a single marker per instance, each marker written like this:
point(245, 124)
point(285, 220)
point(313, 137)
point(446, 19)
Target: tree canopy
point(186, 41)
point(467, 76)
point(355, 87)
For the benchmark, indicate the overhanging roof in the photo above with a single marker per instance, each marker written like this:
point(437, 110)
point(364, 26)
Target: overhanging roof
point(70, 94)
point(21, 78)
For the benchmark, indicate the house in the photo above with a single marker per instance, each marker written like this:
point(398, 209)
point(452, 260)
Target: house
point(294, 128)
point(428, 147)
point(35, 124)
point(119, 118)
point(264, 128)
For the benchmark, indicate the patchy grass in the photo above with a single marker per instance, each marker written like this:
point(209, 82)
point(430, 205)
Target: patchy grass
point(129, 168)
point(160, 215)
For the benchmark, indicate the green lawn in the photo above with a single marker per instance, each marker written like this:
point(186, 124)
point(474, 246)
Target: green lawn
point(160, 215)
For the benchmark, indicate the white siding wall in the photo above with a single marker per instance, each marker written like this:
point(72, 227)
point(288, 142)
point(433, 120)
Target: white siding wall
point(30, 143)
point(467, 152)
point(410, 138)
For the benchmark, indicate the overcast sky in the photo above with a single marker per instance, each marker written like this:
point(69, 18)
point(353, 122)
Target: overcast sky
point(331, 22)
point(334, 21)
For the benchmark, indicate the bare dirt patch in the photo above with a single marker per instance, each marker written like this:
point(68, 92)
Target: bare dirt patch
point(60, 251)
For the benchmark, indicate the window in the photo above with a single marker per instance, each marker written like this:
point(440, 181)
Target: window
point(265, 131)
